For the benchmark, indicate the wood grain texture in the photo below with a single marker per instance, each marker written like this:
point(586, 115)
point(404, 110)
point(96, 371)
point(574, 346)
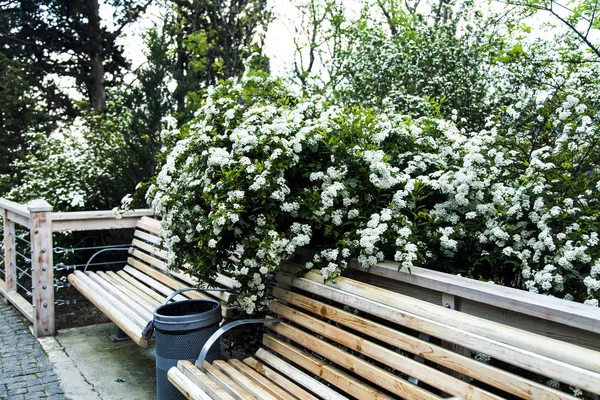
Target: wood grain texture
point(125, 298)
point(14, 207)
point(100, 214)
point(18, 301)
point(148, 224)
point(186, 386)
point(19, 219)
point(278, 378)
point(296, 375)
point(385, 356)
point(243, 381)
point(508, 382)
point(10, 254)
point(138, 294)
point(93, 225)
point(225, 382)
point(99, 299)
point(42, 267)
point(348, 384)
point(549, 308)
point(266, 384)
point(557, 360)
point(202, 380)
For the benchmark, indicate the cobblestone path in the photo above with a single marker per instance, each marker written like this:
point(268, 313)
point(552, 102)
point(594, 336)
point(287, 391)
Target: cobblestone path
point(25, 372)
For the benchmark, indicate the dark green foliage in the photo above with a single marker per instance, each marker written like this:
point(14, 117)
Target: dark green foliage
point(151, 101)
point(212, 39)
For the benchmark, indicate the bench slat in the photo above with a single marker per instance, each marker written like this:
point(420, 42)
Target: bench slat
point(201, 380)
point(347, 383)
point(109, 298)
point(551, 348)
point(279, 379)
point(141, 313)
point(130, 291)
point(298, 376)
point(370, 372)
point(148, 259)
point(153, 283)
point(226, 383)
point(243, 381)
point(150, 302)
point(160, 265)
point(148, 224)
point(116, 316)
point(139, 285)
point(510, 383)
point(151, 249)
point(147, 237)
point(186, 386)
point(350, 295)
point(266, 384)
point(390, 358)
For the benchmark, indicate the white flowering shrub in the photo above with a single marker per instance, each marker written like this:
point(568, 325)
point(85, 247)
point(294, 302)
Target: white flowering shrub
point(261, 172)
point(421, 68)
point(81, 165)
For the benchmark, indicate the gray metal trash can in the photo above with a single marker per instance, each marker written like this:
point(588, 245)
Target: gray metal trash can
point(181, 329)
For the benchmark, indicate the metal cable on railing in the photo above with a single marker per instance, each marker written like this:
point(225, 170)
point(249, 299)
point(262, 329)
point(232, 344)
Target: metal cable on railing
point(22, 239)
point(23, 272)
point(24, 257)
point(27, 292)
point(64, 302)
point(64, 267)
point(61, 285)
point(63, 250)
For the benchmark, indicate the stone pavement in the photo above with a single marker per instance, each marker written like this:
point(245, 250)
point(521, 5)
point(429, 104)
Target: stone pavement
point(25, 372)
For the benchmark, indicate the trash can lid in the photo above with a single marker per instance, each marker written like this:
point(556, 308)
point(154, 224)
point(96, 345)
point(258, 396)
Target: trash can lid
point(187, 315)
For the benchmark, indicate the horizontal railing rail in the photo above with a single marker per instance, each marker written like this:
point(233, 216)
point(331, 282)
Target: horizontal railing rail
point(14, 207)
point(549, 316)
point(96, 220)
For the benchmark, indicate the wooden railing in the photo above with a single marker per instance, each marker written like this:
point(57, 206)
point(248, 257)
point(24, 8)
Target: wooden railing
point(549, 316)
point(38, 218)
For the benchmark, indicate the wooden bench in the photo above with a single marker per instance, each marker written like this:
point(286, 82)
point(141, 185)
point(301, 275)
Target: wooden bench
point(355, 340)
point(128, 297)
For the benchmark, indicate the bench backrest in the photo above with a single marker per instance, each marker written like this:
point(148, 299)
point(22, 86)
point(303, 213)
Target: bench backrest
point(147, 258)
point(373, 343)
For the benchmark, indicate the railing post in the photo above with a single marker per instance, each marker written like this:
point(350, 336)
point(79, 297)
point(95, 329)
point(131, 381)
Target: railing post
point(42, 268)
point(10, 256)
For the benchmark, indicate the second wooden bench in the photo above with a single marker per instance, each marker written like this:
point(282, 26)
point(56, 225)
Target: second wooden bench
point(129, 296)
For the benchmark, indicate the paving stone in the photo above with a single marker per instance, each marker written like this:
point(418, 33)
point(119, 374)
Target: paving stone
point(16, 385)
point(13, 392)
point(26, 372)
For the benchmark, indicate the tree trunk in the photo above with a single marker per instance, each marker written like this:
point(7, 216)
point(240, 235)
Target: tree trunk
point(96, 90)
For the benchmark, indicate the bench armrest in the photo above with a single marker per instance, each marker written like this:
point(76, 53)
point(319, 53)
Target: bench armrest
point(102, 251)
point(217, 335)
point(179, 291)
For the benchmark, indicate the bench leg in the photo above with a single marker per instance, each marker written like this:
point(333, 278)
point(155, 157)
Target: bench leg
point(118, 336)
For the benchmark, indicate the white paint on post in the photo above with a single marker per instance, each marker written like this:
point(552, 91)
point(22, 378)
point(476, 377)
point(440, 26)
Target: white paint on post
point(42, 268)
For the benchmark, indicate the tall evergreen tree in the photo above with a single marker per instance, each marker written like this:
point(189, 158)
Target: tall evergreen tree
point(68, 39)
point(212, 40)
